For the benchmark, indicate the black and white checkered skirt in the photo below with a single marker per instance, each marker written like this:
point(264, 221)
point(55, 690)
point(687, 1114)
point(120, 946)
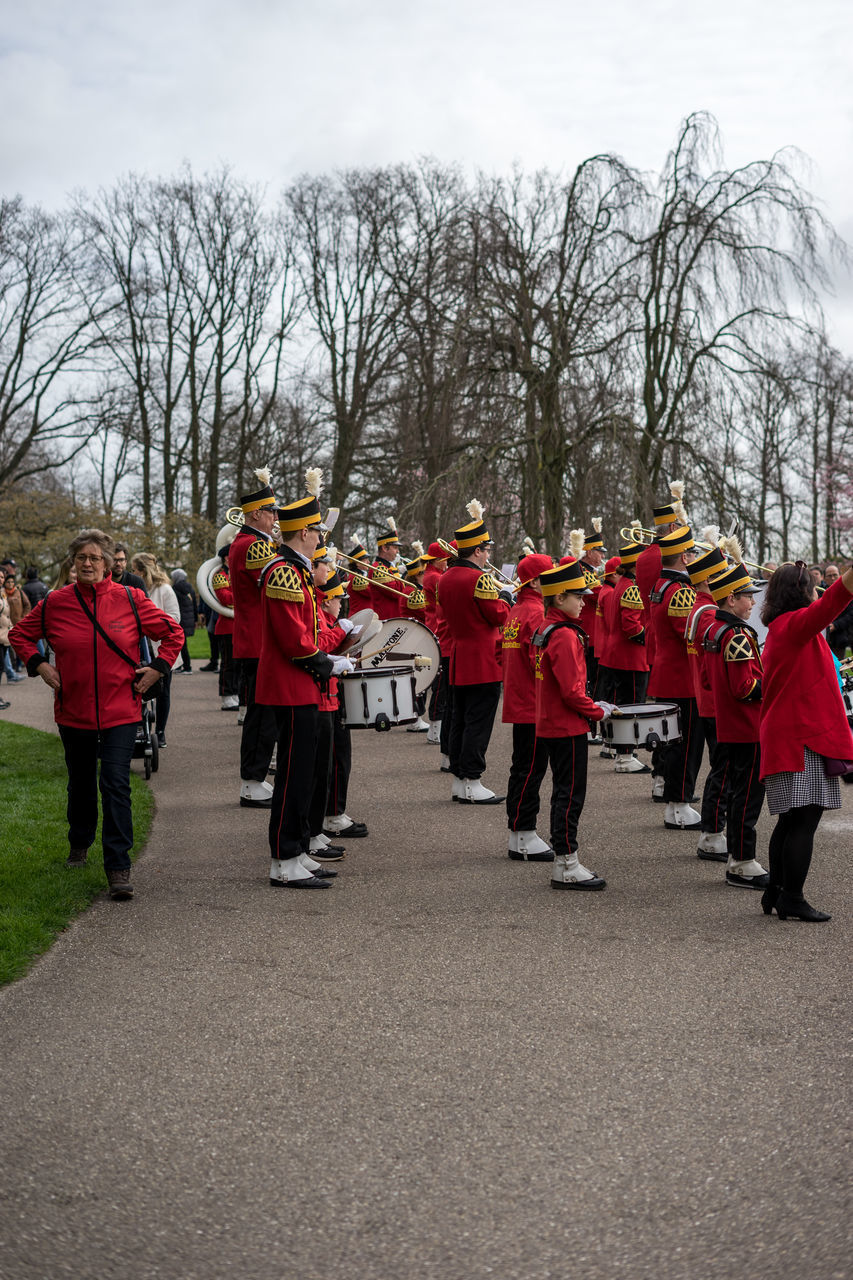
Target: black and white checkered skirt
point(795, 790)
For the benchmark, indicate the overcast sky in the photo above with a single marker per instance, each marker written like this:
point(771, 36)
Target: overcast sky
point(90, 89)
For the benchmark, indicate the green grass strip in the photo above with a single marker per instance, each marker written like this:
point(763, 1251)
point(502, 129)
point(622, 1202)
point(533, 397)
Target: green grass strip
point(39, 895)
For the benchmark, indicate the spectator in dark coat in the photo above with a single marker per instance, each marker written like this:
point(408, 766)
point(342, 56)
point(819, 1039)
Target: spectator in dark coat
point(34, 589)
point(840, 632)
point(188, 602)
point(120, 572)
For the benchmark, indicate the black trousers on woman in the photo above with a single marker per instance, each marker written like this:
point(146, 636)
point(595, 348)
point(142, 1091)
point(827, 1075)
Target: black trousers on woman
point(294, 779)
point(528, 768)
point(568, 760)
point(791, 847)
point(113, 748)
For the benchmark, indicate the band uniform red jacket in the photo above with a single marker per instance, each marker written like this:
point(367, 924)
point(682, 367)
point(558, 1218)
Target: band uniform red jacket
point(434, 616)
point(291, 657)
point(251, 551)
point(525, 618)
point(96, 688)
point(602, 633)
point(646, 573)
point(700, 618)
point(625, 627)
point(386, 603)
point(474, 613)
point(801, 703)
point(563, 706)
point(588, 617)
point(671, 603)
point(221, 584)
point(734, 671)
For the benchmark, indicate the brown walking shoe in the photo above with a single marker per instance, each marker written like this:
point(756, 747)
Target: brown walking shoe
point(120, 886)
point(77, 858)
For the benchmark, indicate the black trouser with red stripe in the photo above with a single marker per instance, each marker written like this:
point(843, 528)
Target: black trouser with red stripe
point(681, 759)
point(438, 691)
point(629, 689)
point(528, 768)
point(567, 758)
point(341, 765)
point(716, 794)
point(322, 771)
point(746, 796)
point(294, 779)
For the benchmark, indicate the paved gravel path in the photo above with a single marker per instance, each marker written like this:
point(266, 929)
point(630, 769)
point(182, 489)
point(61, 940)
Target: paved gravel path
point(439, 1068)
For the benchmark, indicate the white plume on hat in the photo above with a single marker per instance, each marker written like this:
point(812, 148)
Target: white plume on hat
point(418, 548)
point(475, 509)
point(733, 549)
point(391, 522)
point(355, 540)
point(596, 523)
point(263, 475)
point(313, 481)
point(676, 488)
point(527, 547)
point(711, 535)
point(577, 537)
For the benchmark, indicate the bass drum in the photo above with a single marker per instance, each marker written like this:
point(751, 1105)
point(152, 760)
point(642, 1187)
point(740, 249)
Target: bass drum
point(403, 640)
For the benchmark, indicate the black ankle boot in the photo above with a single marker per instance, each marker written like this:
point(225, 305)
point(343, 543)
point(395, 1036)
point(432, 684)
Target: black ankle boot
point(768, 898)
point(789, 907)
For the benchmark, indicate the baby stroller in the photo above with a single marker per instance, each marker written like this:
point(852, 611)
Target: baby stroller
point(145, 748)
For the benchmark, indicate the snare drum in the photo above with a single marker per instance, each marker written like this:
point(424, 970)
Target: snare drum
point(646, 725)
point(379, 699)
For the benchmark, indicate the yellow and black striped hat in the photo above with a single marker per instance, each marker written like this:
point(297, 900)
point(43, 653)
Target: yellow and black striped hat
point(664, 514)
point(673, 544)
point(304, 513)
point(391, 538)
point(631, 552)
point(565, 577)
point(335, 585)
point(594, 541)
point(475, 533)
point(705, 566)
point(263, 497)
point(736, 579)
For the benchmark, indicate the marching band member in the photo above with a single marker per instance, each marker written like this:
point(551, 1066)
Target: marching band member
point(359, 586)
point(336, 822)
point(332, 630)
point(251, 550)
point(291, 669)
point(438, 712)
point(474, 609)
point(415, 606)
point(712, 841)
point(564, 711)
point(529, 756)
point(733, 668)
point(625, 627)
point(224, 629)
point(605, 678)
point(591, 559)
point(803, 727)
point(671, 679)
point(382, 573)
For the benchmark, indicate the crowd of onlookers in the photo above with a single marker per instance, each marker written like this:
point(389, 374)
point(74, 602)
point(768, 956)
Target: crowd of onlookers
point(173, 594)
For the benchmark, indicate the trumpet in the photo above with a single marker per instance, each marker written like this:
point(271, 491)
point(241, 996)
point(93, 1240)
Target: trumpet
point(362, 573)
point(513, 583)
point(647, 536)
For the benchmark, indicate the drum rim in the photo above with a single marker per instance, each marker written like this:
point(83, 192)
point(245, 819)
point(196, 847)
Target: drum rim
point(373, 672)
point(644, 711)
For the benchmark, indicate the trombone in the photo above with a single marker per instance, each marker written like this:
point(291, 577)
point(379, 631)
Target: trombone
point(647, 537)
point(512, 583)
point(236, 516)
point(362, 573)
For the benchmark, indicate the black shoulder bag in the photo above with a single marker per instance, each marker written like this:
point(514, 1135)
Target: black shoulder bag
point(151, 693)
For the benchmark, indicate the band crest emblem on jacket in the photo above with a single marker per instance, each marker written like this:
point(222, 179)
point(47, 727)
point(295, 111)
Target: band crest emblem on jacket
point(510, 634)
point(284, 583)
point(738, 648)
point(631, 598)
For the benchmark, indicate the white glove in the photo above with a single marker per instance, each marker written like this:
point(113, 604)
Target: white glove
point(346, 626)
point(342, 665)
point(607, 707)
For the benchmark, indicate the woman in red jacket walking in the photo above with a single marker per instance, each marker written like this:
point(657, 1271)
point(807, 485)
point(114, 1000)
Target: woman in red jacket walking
point(94, 627)
point(803, 726)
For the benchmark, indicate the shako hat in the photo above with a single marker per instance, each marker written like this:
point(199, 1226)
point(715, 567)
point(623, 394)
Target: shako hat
point(593, 541)
point(673, 544)
point(356, 550)
point(475, 533)
point(734, 579)
point(304, 513)
point(335, 585)
point(564, 577)
point(263, 497)
point(705, 566)
point(418, 563)
point(391, 538)
point(631, 552)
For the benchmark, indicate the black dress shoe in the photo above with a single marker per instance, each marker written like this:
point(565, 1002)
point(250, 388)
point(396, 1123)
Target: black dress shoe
point(209, 666)
point(355, 832)
point(791, 908)
point(247, 803)
point(324, 873)
point(331, 853)
point(747, 882)
point(531, 857)
point(312, 882)
point(768, 898)
point(583, 885)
